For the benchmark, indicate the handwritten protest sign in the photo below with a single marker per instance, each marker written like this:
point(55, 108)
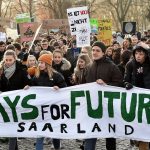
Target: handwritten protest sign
point(105, 31)
point(78, 16)
point(80, 25)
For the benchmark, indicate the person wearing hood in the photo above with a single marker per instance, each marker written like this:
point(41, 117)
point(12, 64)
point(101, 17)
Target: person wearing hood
point(104, 72)
point(137, 73)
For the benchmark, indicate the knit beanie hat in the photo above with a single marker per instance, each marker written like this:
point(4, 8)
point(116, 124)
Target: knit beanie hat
point(47, 58)
point(101, 45)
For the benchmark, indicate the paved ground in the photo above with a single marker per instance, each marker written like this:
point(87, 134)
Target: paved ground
point(28, 144)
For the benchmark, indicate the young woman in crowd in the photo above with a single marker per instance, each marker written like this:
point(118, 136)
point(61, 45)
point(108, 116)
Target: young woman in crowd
point(62, 65)
point(13, 77)
point(81, 69)
point(45, 75)
point(87, 50)
point(31, 61)
point(125, 57)
point(126, 45)
point(109, 52)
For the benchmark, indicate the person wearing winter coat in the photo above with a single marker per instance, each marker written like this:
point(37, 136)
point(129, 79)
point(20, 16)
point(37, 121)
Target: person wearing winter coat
point(46, 76)
point(13, 77)
point(103, 71)
point(61, 65)
point(80, 71)
point(72, 55)
point(137, 73)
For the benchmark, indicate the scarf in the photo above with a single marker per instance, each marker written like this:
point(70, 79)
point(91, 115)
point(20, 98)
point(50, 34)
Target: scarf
point(9, 71)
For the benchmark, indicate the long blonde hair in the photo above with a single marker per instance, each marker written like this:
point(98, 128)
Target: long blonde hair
point(84, 57)
point(31, 56)
point(49, 70)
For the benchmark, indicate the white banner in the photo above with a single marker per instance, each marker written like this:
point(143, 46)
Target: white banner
point(82, 111)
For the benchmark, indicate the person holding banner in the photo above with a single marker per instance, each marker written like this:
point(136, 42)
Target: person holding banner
point(137, 73)
point(45, 75)
point(13, 77)
point(104, 72)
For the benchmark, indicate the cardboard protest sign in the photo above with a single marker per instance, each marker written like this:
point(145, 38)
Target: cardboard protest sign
point(59, 24)
point(83, 36)
point(129, 28)
point(80, 25)
point(78, 16)
point(27, 31)
point(105, 31)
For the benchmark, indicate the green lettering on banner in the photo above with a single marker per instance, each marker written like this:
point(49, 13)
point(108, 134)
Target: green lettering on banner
point(144, 106)
point(97, 113)
point(128, 116)
point(34, 113)
point(12, 105)
point(74, 95)
point(111, 96)
point(4, 114)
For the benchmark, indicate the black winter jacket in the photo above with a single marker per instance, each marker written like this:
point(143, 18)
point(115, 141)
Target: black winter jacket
point(43, 80)
point(106, 70)
point(131, 74)
point(17, 81)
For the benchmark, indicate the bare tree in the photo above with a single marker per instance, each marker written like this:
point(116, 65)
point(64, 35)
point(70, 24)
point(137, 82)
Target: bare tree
point(121, 8)
point(57, 7)
point(1, 8)
point(92, 5)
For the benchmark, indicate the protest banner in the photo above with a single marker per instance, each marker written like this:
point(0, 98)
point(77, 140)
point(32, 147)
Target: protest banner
point(83, 111)
point(27, 31)
point(105, 31)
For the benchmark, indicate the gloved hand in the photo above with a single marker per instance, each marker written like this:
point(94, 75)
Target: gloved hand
point(128, 85)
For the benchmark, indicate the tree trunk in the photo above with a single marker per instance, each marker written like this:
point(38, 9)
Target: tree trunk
point(1, 8)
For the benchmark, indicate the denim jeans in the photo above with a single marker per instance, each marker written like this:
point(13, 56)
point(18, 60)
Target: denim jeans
point(13, 144)
point(39, 143)
point(90, 144)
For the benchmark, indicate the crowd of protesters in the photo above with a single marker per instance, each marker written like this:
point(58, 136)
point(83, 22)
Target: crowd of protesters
point(56, 61)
